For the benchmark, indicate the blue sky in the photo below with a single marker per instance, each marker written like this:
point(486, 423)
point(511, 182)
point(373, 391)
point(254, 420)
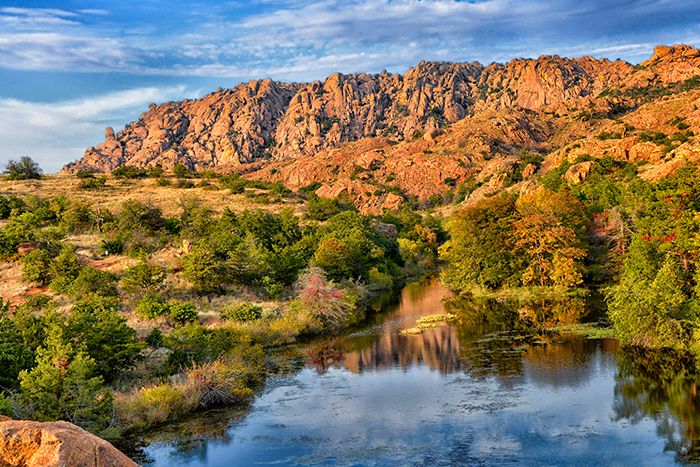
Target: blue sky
point(70, 68)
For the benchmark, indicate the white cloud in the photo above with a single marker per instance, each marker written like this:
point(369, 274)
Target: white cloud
point(294, 40)
point(298, 39)
point(58, 132)
point(62, 51)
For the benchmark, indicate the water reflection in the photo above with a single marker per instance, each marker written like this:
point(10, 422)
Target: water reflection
point(382, 347)
point(489, 389)
point(663, 386)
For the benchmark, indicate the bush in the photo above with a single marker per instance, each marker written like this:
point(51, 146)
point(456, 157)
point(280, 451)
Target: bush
point(36, 266)
point(112, 246)
point(219, 383)
point(96, 326)
point(129, 171)
point(332, 306)
point(155, 171)
point(154, 339)
point(79, 217)
point(142, 278)
point(379, 280)
point(64, 269)
point(135, 215)
point(234, 183)
point(92, 183)
point(183, 312)
point(85, 173)
point(93, 281)
point(322, 209)
point(6, 407)
point(152, 305)
point(10, 205)
point(24, 169)
point(181, 171)
point(163, 182)
point(8, 243)
point(184, 183)
point(152, 405)
point(242, 312)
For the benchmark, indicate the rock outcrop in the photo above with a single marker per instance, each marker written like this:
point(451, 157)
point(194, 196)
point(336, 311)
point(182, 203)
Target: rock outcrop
point(55, 444)
point(263, 119)
point(226, 127)
point(378, 138)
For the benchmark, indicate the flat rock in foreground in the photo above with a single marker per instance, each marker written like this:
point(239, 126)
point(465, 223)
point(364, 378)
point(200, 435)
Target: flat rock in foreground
point(37, 444)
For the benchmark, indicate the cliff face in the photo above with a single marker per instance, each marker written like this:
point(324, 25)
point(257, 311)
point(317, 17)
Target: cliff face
point(436, 125)
point(347, 108)
point(226, 127)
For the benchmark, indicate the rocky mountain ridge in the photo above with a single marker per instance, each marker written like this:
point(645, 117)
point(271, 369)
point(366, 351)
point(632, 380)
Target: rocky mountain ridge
point(435, 126)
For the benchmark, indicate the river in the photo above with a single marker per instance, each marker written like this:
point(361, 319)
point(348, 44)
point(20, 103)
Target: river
point(483, 391)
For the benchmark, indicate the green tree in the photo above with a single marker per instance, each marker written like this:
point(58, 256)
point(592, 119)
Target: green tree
point(93, 281)
point(24, 169)
point(96, 328)
point(63, 386)
point(142, 278)
point(322, 209)
point(480, 251)
point(14, 356)
point(64, 269)
point(647, 307)
point(36, 266)
point(249, 262)
point(207, 271)
point(349, 247)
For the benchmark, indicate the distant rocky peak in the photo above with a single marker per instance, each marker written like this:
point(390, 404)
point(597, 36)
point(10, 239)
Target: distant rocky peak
point(265, 120)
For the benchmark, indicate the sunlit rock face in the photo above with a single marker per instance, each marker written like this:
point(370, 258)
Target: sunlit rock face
point(424, 132)
point(55, 444)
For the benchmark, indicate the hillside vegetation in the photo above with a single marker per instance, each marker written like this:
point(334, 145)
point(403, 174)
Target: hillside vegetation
point(134, 297)
point(133, 301)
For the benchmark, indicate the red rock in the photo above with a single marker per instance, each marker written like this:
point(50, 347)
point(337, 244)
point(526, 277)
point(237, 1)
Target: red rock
point(436, 126)
point(59, 444)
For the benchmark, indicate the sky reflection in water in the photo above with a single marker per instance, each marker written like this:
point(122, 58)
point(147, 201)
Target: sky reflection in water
point(451, 396)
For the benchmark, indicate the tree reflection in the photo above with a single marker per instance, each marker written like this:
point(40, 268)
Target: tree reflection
point(551, 313)
point(661, 385)
point(326, 354)
point(492, 337)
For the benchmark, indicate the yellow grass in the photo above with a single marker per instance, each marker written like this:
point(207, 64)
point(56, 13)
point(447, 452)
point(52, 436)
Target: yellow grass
point(167, 198)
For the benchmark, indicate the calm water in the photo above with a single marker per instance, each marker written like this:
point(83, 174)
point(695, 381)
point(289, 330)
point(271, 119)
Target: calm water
point(485, 391)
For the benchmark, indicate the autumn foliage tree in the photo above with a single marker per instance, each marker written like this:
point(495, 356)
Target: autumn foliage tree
point(550, 231)
point(538, 239)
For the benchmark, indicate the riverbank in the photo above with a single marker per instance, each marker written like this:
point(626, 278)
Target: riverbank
point(455, 391)
point(233, 379)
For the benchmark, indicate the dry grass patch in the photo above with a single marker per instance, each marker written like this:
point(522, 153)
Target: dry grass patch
point(167, 198)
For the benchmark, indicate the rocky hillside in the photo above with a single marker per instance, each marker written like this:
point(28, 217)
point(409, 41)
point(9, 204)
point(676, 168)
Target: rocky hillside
point(418, 134)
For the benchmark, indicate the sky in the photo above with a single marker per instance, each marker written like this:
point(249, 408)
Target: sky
point(70, 68)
